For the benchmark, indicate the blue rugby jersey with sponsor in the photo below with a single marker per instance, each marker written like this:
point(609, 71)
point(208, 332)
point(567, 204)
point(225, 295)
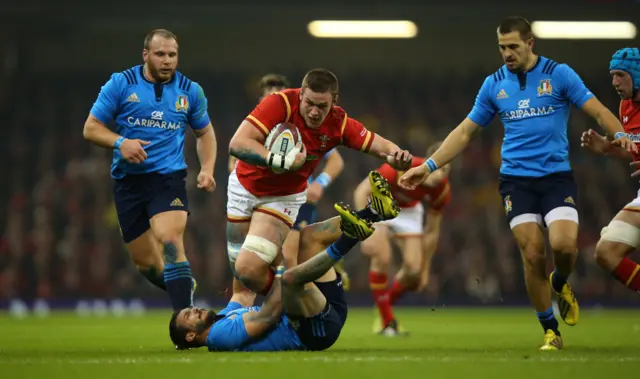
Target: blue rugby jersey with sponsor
point(534, 108)
point(154, 112)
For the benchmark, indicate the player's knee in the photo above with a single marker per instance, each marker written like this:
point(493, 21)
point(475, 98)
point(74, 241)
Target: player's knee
point(565, 245)
point(616, 241)
point(533, 254)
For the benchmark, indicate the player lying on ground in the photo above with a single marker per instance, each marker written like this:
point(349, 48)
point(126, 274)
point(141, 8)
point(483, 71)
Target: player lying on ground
point(262, 204)
point(622, 236)
point(417, 244)
point(310, 295)
point(151, 106)
point(532, 95)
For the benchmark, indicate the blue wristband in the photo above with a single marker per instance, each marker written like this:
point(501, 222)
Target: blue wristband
point(118, 142)
point(323, 179)
point(279, 271)
point(620, 135)
point(431, 164)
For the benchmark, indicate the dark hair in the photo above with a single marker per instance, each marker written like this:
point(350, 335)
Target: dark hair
point(179, 334)
point(160, 32)
point(432, 148)
point(516, 24)
point(273, 80)
point(321, 80)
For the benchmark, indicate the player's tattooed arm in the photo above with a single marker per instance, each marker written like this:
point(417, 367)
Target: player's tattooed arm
point(258, 323)
point(247, 144)
point(248, 156)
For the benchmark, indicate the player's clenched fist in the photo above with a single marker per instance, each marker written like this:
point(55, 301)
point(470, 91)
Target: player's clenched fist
point(206, 182)
point(300, 156)
point(132, 150)
point(414, 177)
point(399, 159)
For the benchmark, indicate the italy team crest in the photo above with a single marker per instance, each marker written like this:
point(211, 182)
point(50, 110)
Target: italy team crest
point(545, 87)
point(182, 104)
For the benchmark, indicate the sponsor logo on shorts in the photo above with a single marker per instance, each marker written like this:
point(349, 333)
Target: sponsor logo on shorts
point(176, 203)
point(508, 206)
point(569, 200)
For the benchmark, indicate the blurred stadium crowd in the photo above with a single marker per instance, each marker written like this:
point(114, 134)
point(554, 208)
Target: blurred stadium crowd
point(59, 236)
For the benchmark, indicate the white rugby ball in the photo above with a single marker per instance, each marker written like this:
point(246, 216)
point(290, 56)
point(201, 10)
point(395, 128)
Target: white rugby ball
point(281, 140)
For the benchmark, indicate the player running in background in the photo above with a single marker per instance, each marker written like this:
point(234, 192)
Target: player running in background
point(532, 95)
point(262, 205)
point(151, 106)
point(310, 295)
point(622, 235)
point(333, 166)
point(417, 244)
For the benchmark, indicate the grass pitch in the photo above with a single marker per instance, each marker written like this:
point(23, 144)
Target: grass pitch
point(445, 343)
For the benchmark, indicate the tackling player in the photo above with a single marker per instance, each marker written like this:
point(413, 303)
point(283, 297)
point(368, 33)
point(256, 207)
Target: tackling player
point(310, 295)
point(532, 96)
point(417, 245)
point(151, 106)
point(622, 235)
point(263, 205)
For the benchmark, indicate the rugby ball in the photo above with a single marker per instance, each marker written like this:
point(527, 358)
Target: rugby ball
point(281, 140)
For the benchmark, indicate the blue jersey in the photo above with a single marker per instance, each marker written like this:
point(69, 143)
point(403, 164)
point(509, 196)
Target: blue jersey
point(230, 334)
point(534, 109)
point(153, 112)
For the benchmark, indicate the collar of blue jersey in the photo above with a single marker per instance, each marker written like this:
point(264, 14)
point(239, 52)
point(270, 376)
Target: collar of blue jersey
point(531, 69)
point(144, 77)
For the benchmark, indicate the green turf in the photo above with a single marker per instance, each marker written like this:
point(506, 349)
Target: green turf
point(445, 343)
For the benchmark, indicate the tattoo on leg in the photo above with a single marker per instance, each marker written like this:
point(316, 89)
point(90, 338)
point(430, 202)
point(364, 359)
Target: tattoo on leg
point(310, 270)
point(170, 253)
point(234, 233)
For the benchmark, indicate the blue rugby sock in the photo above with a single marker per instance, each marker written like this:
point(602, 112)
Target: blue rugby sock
point(548, 320)
point(341, 247)
point(179, 282)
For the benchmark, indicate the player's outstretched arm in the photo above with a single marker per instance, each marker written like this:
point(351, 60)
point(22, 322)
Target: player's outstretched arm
point(609, 122)
point(334, 166)
point(453, 145)
point(332, 169)
point(599, 144)
point(258, 323)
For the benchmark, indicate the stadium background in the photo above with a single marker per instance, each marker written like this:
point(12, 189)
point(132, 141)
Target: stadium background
point(59, 239)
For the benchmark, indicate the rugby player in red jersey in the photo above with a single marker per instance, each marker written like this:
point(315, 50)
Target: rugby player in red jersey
point(262, 205)
point(622, 236)
point(417, 244)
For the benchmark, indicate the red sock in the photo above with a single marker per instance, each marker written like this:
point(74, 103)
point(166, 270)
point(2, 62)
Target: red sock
point(397, 290)
point(267, 288)
point(627, 273)
point(378, 284)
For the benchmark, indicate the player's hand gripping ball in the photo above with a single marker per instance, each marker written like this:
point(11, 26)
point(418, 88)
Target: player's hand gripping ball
point(282, 140)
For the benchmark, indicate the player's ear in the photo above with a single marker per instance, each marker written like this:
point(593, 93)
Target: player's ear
point(145, 55)
point(335, 100)
point(189, 337)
